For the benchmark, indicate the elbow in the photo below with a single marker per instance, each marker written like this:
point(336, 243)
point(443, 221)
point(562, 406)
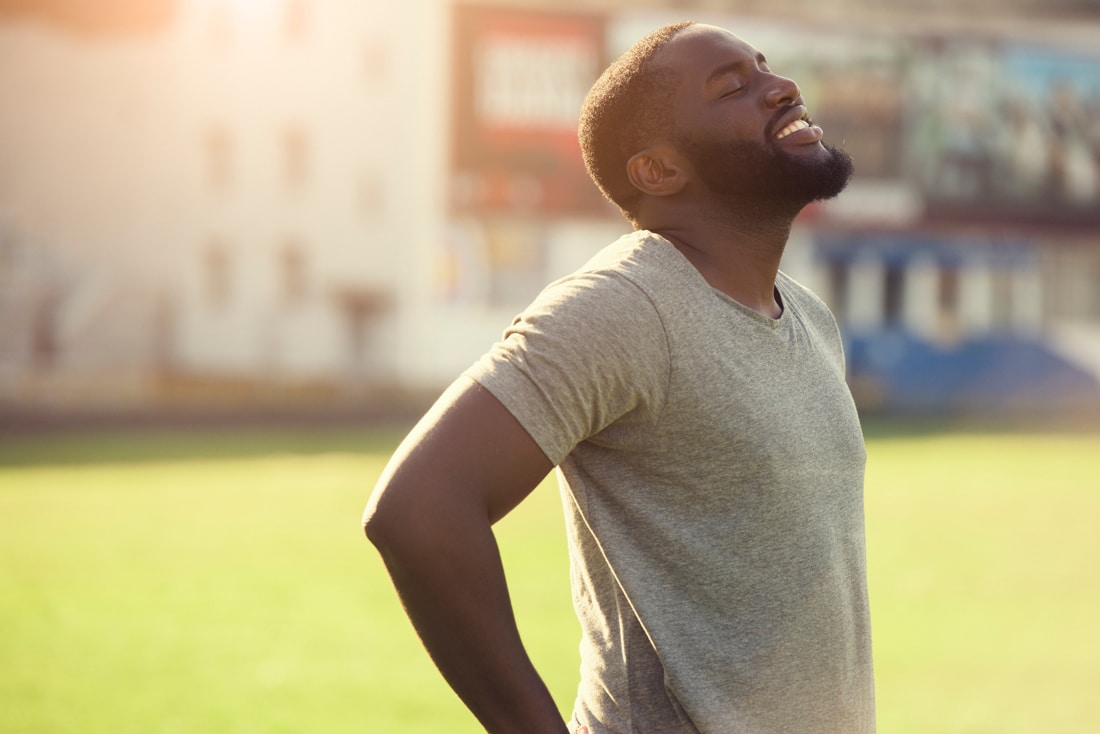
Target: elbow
point(404, 520)
point(378, 517)
point(392, 518)
point(377, 524)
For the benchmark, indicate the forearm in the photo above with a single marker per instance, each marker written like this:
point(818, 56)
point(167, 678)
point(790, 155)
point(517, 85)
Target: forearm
point(467, 463)
point(448, 573)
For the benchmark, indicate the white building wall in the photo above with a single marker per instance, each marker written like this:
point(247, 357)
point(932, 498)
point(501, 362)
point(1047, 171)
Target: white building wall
point(865, 296)
point(417, 176)
point(80, 132)
point(921, 298)
point(976, 315)
point(84, 188)
point(1027, 300)
point(108, 155)
point(366, 207)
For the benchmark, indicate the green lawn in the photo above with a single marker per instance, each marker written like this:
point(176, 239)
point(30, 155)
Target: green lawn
point(219, 582)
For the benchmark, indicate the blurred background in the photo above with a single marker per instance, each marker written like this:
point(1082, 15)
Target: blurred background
point(288, 224)
point(334, 206)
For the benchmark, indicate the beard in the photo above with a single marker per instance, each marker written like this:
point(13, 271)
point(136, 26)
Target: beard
point(766, 174)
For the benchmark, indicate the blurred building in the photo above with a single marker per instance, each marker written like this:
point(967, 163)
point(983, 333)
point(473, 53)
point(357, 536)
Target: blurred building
point(315, 200)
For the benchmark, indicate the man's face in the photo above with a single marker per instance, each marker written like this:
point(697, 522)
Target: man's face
point(744, 129)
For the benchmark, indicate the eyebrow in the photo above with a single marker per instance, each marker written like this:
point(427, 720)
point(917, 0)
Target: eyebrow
point(733, 67)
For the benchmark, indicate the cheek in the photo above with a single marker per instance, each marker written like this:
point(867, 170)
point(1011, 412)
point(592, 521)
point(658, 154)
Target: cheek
point(737, 123)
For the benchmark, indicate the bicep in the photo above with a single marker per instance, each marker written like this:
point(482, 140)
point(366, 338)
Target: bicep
point(468, 454)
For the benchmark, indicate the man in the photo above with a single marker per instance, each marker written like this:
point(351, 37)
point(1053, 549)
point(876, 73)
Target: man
point(693, 400)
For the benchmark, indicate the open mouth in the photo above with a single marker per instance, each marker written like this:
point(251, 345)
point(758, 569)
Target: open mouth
point(800, 124)
point(797, 127)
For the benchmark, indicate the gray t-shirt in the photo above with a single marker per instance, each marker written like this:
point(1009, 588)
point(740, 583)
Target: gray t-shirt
point(711, 466)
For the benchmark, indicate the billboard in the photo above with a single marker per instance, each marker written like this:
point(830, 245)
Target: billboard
point(519, 78)
point(978, 130)
point(1009, 132)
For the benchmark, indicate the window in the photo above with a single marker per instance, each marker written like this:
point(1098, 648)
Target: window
point(1003, 298)
point(219, 153)
point(372, 195)
point(376, 62)
point(45, 346)
point(837, 275)
point(893, 295)
point(217, 274)
point(295, 154)
point(948, 301)
point(949, 291)
point(292, 273)
point(296, 20)
point(1092, 310)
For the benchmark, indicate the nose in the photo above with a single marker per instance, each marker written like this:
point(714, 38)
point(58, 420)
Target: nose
point(781, 92)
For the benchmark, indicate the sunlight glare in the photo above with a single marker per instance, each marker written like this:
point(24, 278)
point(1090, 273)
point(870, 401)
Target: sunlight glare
point(251, 10)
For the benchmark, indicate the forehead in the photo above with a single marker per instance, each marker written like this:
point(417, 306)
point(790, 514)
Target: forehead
point(699, 52)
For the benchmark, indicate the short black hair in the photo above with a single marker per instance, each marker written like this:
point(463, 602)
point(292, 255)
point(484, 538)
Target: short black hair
point(627, 107)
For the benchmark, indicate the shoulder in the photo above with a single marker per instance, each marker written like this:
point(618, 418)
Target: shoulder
point(590, 350)
point(620, 283)
point(641, 270)
point(646, 259)
point(594, 313)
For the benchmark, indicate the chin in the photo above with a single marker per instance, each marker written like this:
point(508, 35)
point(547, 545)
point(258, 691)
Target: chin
point(754, 172)
point(818, 177)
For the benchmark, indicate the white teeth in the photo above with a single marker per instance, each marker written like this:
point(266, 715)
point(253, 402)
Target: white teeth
point(793, 127)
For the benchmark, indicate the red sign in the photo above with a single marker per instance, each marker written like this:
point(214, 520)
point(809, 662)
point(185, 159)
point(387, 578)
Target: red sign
point(519, 80)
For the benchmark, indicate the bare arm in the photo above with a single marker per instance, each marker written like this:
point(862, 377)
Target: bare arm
point(465, 465)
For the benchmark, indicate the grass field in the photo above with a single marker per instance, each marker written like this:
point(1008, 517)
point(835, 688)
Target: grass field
point(219, 582)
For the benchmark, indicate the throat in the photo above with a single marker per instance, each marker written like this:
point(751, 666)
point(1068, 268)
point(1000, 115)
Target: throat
point(742, 272)
point(770, 308)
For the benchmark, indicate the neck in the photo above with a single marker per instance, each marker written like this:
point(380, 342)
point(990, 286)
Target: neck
point(737, 252)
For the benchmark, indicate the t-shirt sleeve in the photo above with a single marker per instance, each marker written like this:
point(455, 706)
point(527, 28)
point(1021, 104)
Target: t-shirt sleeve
point(589, 352)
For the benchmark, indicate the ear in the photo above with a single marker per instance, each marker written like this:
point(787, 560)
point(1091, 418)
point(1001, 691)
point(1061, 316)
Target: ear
point(656, 171)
